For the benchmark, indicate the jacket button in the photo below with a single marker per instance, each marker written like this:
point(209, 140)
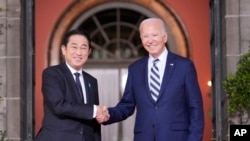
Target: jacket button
point(156, 107)
point(81, 132)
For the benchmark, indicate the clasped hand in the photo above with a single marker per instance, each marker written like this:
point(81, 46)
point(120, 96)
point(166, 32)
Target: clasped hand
point(102, 114)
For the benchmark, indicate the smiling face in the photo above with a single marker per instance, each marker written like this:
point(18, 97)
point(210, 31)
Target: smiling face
point(76, 51)
point(153, 36)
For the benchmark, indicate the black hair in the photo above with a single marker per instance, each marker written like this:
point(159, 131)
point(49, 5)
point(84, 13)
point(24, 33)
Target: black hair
point(76, 32)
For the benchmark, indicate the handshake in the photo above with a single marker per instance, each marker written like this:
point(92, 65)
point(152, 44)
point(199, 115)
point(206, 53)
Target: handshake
point(102, 114)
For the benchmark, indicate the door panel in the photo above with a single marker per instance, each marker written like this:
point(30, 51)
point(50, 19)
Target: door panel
point(111, 84)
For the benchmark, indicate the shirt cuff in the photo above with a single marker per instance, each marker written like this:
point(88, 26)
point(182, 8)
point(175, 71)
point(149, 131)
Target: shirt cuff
point(94, 113)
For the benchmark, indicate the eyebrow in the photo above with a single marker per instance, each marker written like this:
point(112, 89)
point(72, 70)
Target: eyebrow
point(81, 44)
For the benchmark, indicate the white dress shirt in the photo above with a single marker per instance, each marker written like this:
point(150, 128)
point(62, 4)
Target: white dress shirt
point(72, 70)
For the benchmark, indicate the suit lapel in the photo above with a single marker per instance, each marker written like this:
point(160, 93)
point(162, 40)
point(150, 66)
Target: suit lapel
point(87, 86)
point(71, 82)
point(145, 77)
point(169, 69)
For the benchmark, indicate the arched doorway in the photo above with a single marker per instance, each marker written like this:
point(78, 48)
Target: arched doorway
point(114, 32)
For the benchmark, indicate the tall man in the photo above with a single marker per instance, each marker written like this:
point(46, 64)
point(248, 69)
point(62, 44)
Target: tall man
point(164, 89)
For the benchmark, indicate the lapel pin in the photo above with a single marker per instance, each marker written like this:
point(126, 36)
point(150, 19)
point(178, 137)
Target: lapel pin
point(171, 64)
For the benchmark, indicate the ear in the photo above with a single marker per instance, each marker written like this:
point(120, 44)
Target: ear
point(63, 49)
point(165, 36)
point(90, 50)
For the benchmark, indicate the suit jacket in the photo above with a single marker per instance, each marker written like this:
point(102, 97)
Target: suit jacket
point(177, 115)
point(66, 117)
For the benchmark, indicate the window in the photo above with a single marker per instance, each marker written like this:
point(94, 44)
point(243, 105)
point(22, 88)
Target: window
point(115, 35)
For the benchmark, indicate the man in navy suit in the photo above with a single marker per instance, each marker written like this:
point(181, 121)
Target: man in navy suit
point(166, 95)
point(70, 110)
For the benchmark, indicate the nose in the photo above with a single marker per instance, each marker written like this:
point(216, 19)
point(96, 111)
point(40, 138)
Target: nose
point(78, 51)
point(150, 40)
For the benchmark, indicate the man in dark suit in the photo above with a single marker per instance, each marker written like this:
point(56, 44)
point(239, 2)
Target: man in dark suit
point(164, 89)
point(71, 100)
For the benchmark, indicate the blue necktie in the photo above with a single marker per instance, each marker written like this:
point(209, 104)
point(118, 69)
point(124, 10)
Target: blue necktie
point(155, 83)
point(78, 84)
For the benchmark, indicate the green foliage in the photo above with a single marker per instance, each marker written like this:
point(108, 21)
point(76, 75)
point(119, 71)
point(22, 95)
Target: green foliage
point(237, 86)
point(2, 135)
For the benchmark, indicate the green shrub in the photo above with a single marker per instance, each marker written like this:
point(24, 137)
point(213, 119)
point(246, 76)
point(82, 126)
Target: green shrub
point(2, 135)
point(237, 86)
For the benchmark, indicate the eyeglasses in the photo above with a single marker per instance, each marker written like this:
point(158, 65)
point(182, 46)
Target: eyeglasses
point(82, 49)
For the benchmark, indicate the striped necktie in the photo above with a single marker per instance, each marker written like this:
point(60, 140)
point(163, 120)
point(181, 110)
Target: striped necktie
point(155, 84)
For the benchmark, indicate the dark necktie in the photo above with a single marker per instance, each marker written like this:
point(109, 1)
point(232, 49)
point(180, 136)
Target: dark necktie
point(155, 84)
point(78, 84)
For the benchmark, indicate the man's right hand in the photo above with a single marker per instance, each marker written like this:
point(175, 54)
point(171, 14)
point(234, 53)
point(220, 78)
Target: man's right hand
point(102, 114)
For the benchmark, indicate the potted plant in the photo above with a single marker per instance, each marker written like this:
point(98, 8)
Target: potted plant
point(237, 86)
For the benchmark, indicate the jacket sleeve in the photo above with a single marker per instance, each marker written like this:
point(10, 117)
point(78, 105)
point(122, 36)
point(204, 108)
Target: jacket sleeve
point(125, 106)
point(195, 104)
